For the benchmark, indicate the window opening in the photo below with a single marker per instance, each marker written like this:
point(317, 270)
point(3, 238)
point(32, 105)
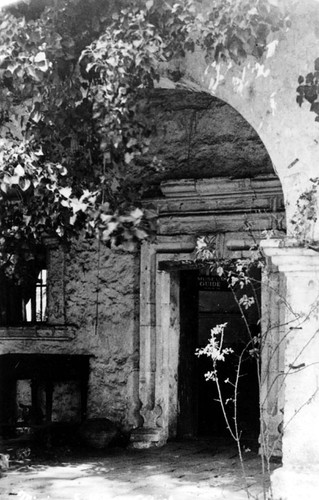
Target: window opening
point(24, 300)
point(35, 308)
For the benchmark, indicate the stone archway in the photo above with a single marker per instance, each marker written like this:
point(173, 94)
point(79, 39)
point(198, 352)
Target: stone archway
point(187, 208)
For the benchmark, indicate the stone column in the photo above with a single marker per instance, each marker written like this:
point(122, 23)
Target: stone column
point(299, 476)
point(146, 434)
point(272, 360)
point(160, 352)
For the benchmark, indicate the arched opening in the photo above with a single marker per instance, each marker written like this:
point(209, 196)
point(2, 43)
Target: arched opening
point(216, 179)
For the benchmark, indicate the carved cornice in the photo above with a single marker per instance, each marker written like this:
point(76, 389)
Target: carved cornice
point(221, 187)
point(290, 257)
point(218, 204)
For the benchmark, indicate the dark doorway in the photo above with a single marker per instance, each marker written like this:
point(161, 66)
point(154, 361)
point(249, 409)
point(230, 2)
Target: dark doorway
point(187, 369)
point(207, 301)
point(39, 389)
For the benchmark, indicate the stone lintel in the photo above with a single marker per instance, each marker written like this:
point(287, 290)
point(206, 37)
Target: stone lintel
point(171, 244)
point(208, 224)
point(40, 332)
point(214, 205)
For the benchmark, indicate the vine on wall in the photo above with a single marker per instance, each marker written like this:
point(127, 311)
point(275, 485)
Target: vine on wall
point(308, 89)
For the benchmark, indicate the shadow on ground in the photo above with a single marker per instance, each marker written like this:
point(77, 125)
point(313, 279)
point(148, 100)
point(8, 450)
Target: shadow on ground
point(201, 469)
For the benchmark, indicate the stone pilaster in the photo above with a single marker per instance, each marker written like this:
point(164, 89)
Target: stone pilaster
point(56, 272)
point(159, 341)
point(299, 476)
point(272, 360)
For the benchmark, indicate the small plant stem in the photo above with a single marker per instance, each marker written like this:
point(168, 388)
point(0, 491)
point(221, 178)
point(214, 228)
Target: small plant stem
point(262, 437)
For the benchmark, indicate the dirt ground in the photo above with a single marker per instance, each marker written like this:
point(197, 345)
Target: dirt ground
point(201, 469)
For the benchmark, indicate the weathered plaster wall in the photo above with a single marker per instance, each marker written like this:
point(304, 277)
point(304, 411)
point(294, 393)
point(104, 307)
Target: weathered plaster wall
point(264, 93)
point(66, 401)
point(101, 309)
point(102, 300)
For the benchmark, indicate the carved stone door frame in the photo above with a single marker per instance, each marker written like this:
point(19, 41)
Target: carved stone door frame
point(190, 209)
point(159, 339)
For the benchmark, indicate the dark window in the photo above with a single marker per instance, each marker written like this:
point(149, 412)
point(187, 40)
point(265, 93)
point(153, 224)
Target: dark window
point(23, 300)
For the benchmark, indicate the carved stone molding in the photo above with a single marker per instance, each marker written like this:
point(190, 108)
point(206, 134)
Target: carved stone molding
point(159, 339)
point(190, 208)
point(260, 187)
point(159, 336)
point(215, 205)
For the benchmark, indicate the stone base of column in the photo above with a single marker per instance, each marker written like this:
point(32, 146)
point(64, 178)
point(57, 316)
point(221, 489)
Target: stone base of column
point(295, 483)
point(143, 438)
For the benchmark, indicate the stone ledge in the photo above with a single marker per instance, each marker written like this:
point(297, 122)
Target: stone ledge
point(291, 257)
point(38, 332)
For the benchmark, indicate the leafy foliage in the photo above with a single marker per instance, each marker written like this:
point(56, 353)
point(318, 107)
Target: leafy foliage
point(235, 30)
point(306, 214)
point(308, 89)
point(71, 115)
point(214, 349)
point(235, 271)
